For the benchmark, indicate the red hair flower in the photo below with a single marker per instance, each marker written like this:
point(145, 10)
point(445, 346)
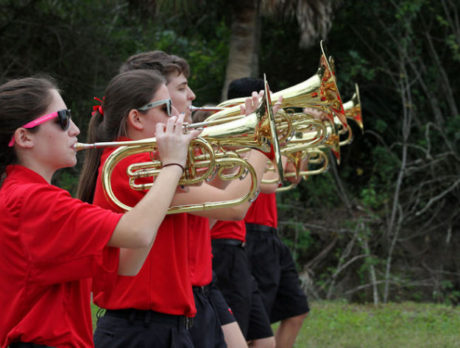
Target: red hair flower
point(98, 108)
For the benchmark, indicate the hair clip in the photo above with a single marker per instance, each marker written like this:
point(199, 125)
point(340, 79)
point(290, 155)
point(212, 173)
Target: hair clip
point(98, 108)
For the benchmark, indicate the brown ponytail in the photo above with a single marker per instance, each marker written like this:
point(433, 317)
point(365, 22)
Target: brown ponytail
point(126, 91)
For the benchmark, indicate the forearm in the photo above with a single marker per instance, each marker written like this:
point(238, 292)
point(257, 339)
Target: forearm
point(236, 189)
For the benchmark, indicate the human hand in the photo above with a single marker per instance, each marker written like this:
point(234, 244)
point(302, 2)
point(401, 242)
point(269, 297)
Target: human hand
point(251, 104)
point(172, 141)
point(316, 113)
point(277, 105)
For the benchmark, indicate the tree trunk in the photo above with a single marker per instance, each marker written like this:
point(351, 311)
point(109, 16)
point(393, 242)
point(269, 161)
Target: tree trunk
point(243, 57)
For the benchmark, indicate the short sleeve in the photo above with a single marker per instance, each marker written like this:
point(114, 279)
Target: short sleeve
point(63, 237)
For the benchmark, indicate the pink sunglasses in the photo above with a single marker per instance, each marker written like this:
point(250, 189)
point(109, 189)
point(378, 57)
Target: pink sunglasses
point(63, 116)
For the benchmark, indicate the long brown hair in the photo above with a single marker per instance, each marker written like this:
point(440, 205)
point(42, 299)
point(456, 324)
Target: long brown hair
point(126, 91)
point(21, 101)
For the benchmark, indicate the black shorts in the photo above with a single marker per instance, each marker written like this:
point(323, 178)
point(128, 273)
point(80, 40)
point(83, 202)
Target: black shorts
point(274, 269)
point(130, 328)
point(234, 280)
point(206, 331)
point(221, 306)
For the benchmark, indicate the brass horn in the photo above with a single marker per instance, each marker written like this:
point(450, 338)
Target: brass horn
point(352, 112)
point(193, 108)
point(314, 156)
point(319, 91)
point(307, 145)
point(254, 131)
point(196, 171)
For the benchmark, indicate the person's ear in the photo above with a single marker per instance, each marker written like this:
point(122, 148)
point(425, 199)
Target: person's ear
point(23, 138)
point(135, 120)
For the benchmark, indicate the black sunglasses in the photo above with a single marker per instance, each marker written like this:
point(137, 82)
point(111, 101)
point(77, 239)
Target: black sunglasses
point(63, 119)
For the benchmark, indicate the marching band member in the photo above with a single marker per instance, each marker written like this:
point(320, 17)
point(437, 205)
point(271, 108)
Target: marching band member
point(156, 307)
point(50, 243)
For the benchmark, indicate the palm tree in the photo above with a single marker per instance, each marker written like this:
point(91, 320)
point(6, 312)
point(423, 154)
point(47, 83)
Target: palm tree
point(313, 16)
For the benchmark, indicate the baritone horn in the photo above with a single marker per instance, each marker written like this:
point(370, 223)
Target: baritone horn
point(319, 91)
point(196, 171)
point(255, 131)
point(352, 112)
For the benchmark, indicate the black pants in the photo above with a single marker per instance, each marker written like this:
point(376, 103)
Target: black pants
point(206, 331)
point(239, 288)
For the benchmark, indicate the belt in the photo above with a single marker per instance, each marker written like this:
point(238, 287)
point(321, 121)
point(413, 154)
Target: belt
point(146, 316)
point(228, 241)
point(202, 289)
point(260, 228)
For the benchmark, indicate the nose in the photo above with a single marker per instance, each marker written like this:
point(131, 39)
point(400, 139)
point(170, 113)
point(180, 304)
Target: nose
point(73, 129)
point(191, 95)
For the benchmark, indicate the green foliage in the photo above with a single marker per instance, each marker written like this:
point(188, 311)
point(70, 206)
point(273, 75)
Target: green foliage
point(67, 179)
point(370, 198)
point(453, 129)
point(298, 239)
point(403, 55)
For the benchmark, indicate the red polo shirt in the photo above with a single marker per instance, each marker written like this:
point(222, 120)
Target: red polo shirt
point(50, 246)
point(229, 229)
point(163, 283)
point(200, 250)
point(263, 211)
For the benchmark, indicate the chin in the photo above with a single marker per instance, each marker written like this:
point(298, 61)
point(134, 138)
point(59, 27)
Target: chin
point(71, 162)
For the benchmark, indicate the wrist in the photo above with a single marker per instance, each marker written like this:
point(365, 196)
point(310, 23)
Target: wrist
point(169, 164)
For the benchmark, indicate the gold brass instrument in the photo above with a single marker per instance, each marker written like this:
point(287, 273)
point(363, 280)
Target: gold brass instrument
point(256, 131)
point(196, 171)
point(304, 146)
point(352, 112)
point(315, 155)
point(205, 108)
point(310, 156)
point(319, 91)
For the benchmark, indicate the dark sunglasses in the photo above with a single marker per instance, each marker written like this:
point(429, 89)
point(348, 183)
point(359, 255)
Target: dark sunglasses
point(167, 108)
point(63, 119)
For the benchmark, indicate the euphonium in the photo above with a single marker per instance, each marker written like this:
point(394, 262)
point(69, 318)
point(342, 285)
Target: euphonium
point(196, 170)
point(315, 155)
point(312, 156)
point(319, 91)
point(254, 131)
point(306, 144)
point(353, 108)
point(352, 112)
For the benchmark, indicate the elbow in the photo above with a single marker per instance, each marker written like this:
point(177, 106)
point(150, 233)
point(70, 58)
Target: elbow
point(238, 212)
point(143, 238)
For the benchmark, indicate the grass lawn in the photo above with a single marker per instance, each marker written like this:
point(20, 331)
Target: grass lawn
point(339, 324)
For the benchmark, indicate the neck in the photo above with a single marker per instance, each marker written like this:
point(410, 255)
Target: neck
point(45, 172)
point(136, 135)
